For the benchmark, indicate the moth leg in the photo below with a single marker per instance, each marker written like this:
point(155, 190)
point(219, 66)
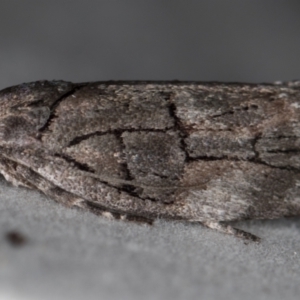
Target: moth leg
point(21, 175)
point(126, 218)
point(96, 209)
point(71, 200)
point(24, 176)
point(11, 172)
point(228, 229)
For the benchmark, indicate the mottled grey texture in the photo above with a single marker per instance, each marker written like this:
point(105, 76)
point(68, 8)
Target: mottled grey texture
point(72, 254)
point(201, 152)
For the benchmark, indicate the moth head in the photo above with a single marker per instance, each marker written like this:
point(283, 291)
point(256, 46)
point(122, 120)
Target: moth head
point(25, 109)
point(20, 124)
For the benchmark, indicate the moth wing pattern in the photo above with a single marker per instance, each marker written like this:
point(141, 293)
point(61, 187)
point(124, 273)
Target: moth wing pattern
point(201, 152)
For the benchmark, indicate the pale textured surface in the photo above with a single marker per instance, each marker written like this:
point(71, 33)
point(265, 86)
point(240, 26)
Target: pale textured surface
point(75, 254)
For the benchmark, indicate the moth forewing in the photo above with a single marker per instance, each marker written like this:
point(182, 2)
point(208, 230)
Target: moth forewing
point(201, 152)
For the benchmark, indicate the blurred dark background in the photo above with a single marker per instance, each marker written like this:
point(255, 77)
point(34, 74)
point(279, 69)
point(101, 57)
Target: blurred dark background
point(225, 40)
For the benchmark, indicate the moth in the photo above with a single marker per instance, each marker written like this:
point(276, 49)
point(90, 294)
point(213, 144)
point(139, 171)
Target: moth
point(211, 153)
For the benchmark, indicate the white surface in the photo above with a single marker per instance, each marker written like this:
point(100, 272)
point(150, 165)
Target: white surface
point(72, 254)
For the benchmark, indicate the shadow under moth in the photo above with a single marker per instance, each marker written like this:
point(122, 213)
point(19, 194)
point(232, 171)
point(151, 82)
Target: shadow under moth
point(201, 152)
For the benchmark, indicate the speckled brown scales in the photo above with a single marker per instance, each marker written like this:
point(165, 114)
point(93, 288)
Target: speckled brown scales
point(202, 152)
